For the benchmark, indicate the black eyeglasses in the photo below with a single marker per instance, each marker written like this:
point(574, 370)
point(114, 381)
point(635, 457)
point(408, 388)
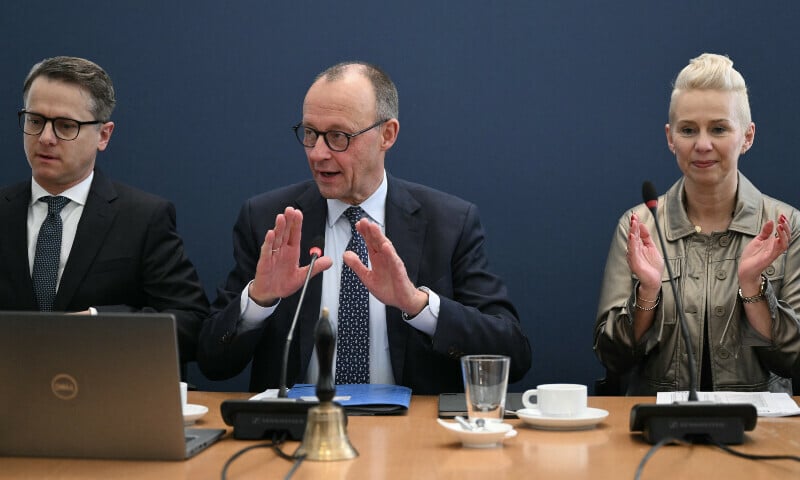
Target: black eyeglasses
point(336, 140)
point(64, 128)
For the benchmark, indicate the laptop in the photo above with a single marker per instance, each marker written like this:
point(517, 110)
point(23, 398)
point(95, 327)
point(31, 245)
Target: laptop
point(104, 386)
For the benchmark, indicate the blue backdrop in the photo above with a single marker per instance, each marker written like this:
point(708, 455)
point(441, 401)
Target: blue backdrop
point(546, 114)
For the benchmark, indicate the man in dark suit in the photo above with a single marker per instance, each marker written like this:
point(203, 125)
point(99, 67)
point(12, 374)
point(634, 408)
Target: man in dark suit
point(432, 297)
point(119, 249)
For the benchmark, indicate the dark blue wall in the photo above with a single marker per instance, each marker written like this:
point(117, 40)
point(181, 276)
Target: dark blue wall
point(546, 114)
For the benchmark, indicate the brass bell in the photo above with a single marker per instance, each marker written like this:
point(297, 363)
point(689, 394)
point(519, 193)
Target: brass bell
point(325, 438)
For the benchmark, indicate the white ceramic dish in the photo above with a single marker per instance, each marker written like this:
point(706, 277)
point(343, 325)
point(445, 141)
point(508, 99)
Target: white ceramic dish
point(191, 413)
point(491, 436)
point(587, 420)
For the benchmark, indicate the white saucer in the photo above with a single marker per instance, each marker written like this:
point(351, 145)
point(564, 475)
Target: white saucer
point(191, 413)
point(491, 436)
point(585, 421)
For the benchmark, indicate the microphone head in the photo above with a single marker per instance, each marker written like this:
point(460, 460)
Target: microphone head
point(316, 246)
point(649, 195)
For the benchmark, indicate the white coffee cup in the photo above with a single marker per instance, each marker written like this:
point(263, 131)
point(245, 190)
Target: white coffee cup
point(557, 399)
point(184, 393)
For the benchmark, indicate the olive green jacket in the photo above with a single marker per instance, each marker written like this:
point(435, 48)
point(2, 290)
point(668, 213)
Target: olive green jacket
point(705, 271)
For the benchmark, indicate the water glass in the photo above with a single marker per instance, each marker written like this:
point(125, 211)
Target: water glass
point(485, 384)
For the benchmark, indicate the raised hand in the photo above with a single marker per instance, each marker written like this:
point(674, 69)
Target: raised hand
point(278, 273)
point(761, 252)
point(644, 259)
point(387, 279)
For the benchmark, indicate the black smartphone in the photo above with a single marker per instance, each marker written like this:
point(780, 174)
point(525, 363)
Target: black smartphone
point(452, 404)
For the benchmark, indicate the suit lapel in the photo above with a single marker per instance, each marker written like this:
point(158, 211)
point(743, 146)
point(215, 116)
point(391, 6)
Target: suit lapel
point(406, 228)
point(14, 258)
point(96, 220)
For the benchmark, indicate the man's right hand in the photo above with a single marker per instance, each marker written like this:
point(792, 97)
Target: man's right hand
point(278, 274)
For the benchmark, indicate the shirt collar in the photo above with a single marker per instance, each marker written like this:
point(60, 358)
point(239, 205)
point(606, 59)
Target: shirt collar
point(746, 215)
point(77, 193)
point(374, 206)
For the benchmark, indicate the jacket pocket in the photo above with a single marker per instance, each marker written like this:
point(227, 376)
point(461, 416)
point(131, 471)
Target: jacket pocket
point(668, 306)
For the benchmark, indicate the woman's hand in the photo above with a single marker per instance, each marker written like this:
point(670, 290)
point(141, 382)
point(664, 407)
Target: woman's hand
point(761, 252)
point(644, 259)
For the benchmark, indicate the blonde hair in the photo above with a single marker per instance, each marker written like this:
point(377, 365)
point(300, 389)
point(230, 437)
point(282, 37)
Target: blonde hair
point(710, 71)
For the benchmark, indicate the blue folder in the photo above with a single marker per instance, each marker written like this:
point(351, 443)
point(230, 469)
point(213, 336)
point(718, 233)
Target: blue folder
point(363, 399)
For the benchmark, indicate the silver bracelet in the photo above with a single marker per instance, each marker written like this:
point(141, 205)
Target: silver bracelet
point(647, 309)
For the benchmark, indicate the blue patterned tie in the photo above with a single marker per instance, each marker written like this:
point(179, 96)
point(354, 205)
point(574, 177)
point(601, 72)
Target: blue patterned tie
point(352, 344)
point(48, 253)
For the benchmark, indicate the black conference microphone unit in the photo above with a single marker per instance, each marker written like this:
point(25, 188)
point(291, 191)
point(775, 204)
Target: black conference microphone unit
point(693, 421)
point(257, 419)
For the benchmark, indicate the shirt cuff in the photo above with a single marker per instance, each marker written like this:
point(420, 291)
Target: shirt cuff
point(252, 314)
point(427, 320)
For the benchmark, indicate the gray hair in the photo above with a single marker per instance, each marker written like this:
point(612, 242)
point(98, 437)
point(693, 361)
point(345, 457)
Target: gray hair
point(387, 104)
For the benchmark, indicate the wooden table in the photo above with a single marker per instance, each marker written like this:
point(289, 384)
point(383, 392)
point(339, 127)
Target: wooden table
point(414, 446)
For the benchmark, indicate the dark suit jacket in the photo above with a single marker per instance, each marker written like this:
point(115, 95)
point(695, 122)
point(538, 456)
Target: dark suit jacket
point(439, 238)
point(127, 256)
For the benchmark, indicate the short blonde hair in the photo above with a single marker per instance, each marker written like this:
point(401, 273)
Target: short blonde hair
point(710, 71)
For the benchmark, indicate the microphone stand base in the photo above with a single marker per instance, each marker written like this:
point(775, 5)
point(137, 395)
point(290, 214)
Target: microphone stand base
point(694, 422)
point(266, 419)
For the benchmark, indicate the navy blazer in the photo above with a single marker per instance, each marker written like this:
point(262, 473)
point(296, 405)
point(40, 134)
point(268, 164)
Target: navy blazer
point(127, 256)
point(439, 238)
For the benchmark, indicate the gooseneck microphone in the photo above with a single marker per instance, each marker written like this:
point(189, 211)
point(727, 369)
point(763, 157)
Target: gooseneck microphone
point(650, 198)
point(692, 421)
point(266, 418)
point(316, 252)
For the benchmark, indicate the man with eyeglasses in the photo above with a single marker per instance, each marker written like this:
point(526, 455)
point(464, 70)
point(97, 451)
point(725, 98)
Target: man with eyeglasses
point(74, 240)
point(431, 297)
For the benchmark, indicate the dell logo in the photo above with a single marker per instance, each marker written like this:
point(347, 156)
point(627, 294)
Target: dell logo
point(64, 386)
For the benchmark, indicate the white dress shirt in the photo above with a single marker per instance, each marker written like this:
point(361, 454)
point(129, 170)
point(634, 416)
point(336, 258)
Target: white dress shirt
point(70, 216)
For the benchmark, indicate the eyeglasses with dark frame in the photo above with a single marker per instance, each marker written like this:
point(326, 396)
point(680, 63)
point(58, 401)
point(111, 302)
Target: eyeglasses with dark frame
point(63, 128)
point(336, 140)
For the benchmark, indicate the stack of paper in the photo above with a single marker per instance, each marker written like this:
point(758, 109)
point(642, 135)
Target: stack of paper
point(768, 404)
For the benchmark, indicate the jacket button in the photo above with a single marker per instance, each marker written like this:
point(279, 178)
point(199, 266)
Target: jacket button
point(723, 353)
point(719, 310)
point(724, 241)
point(721, 274)
point(770, 270)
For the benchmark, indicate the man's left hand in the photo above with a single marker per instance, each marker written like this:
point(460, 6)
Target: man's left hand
point(387, 280)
